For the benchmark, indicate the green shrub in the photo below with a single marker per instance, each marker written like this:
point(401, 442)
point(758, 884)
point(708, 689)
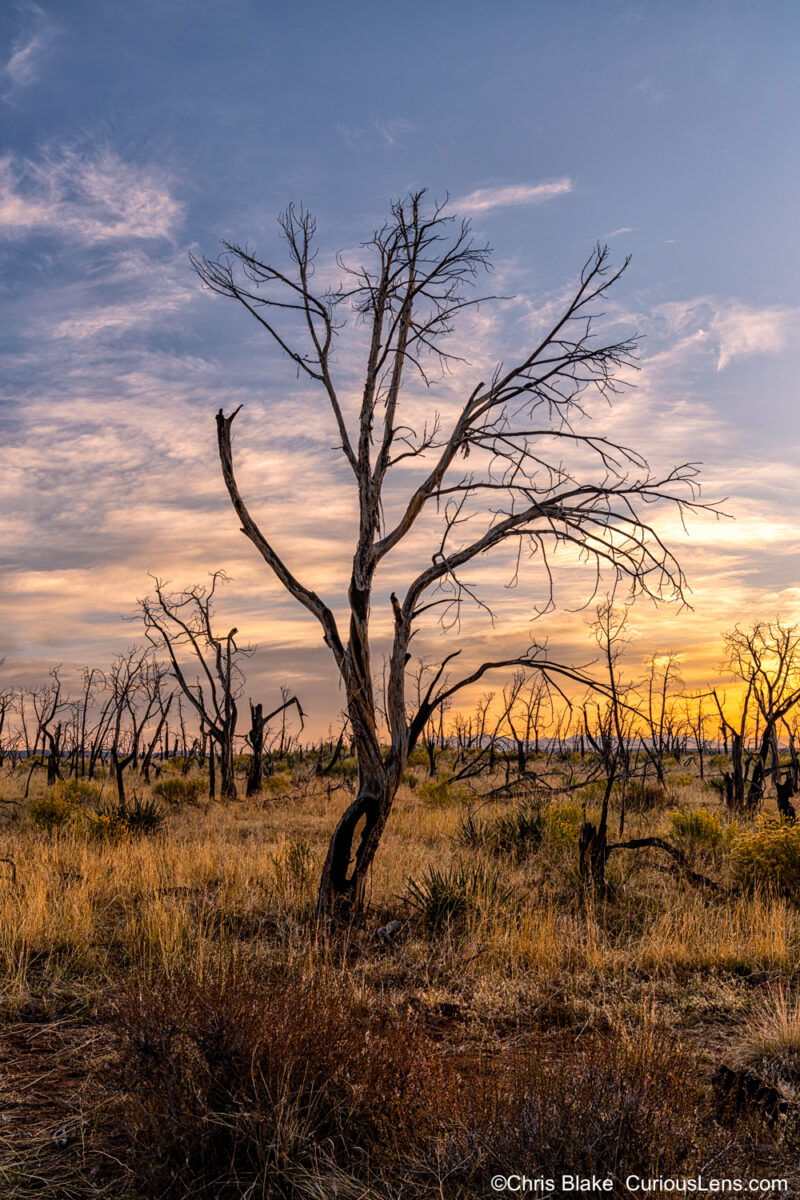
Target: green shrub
point(112, 822)
point(294, 864)
point(698, 829)
point(64, 802)
point(274, 784)
point(105, 825)
point(51, 811)
point(515, 833)
point(80, 791)
point(345, 768)
point(441, 792)
point(178, 790)
point(561, 823)
point(769, 855)
point(448, 896)
point(176, 763)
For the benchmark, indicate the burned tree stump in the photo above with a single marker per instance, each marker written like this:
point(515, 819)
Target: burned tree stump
point(784, 790)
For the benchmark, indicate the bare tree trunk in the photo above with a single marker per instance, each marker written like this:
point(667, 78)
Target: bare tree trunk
point(593, 843)
point(212, 770)
point(54, 754)
point(255, 774)
point(227, 778)
point(119, 765)
point(343, 883)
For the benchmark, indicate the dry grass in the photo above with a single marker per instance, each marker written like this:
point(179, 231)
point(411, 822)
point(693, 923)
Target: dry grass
point(713, 973)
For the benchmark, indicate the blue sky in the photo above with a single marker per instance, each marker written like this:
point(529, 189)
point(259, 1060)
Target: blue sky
point(133, 133)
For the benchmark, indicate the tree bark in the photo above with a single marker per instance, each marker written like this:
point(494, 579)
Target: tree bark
point(255, 772)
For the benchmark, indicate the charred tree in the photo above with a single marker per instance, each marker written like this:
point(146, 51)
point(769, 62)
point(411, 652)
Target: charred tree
point(518, 490)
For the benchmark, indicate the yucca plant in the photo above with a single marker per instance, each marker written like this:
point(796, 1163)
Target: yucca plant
point(515, 833)
point(136, 816)
point(447, 896)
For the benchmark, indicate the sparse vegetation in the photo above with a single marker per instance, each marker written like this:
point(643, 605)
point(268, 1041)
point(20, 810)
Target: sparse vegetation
point(177, 789)
point(199, 944)
point(769, 856)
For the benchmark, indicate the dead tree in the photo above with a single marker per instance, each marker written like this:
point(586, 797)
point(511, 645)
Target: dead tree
point(657, 713)
point(523, 698)
point(47, 703)
point(6, 704)
point(259, 723)
point(181, 624)
point(163, 701)
point(696, 718)
point(512, 469)
point(766, 658)
point(135, 684)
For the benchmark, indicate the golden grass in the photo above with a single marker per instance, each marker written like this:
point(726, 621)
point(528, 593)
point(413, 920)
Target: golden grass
point(717, 970)
point(221, 876)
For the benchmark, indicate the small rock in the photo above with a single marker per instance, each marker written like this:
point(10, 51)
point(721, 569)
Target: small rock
point(387, 932)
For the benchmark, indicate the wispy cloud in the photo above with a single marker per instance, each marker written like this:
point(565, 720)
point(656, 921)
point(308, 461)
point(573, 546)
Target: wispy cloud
point(742, 330)
point(618, 232)
point(25, 63)
point(519, 193)
point(728, 328)
point(91, 197)
point(392, 129)
point(649, 89)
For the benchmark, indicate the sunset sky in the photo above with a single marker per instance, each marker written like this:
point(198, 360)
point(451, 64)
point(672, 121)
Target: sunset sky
point(136, 133)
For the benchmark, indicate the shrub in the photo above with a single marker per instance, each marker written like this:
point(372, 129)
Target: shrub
point(178, 790)
point(629, 1101)
point(698, 829)
point(229, 1078)
point(443, 791)
point(346, 768)
point(80, 791)
point(561, 823)
point(292, 1086)
point(113, 822)
point(294, 864)
point(174, 763)
point(274, 784)
point(644, 797)
point(106, 824)
point(515, 833)
point(51, 811)
point(769, 855)
point(448, 896)
point(63, 803)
